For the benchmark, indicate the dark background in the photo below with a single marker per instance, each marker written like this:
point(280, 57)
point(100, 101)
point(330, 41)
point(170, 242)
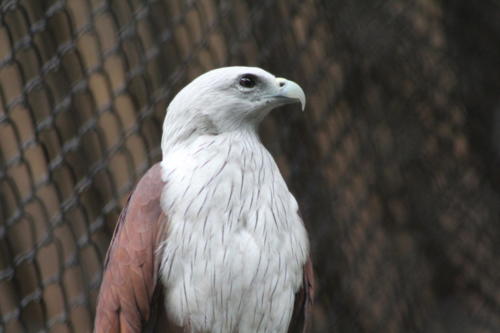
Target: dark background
point(395, 162)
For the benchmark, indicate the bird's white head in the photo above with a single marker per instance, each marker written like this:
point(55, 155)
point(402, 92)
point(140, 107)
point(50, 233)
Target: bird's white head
point(226, 99)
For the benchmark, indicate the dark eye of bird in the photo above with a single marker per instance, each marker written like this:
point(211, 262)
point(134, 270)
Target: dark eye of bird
point(248, 81)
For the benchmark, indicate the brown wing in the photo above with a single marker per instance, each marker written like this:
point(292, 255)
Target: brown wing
point(125, 302)
point(303, 301)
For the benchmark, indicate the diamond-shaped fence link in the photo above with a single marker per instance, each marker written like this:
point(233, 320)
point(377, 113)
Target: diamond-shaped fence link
point(395, 163)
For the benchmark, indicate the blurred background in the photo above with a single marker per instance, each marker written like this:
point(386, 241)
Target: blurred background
point(395, 162)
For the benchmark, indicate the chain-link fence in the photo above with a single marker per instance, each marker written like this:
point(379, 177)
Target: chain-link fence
point(395, 163)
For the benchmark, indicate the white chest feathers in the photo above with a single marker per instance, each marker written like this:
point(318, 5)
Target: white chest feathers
point(236, 246)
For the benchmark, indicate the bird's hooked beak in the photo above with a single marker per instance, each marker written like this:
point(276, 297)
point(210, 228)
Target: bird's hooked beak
point(290, 92)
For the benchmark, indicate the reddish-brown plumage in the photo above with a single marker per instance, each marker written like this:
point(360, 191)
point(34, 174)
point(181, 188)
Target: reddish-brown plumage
point(131, 265)
point(130, 298)
point(304, 299)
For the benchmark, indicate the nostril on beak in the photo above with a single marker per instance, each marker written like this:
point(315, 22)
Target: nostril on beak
point(281, 82)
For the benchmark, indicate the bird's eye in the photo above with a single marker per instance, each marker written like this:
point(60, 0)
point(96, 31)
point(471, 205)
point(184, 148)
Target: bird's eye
point(248, 81)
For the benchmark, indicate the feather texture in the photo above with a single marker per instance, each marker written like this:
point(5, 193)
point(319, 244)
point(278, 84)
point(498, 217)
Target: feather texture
point(237, 246)
point(131, 265)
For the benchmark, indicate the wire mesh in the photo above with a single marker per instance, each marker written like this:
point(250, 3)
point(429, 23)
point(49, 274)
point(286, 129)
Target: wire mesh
point(395, 163)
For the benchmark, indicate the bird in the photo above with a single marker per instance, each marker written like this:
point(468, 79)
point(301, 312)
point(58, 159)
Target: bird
point(211, 239)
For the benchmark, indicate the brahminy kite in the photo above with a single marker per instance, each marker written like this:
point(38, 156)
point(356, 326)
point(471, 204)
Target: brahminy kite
point(211, 239)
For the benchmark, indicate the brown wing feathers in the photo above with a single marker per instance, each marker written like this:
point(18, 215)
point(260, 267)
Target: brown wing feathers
point(304, 299)
point(131, 271)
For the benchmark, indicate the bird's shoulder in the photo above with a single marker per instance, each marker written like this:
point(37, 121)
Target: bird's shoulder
point(131, 265)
